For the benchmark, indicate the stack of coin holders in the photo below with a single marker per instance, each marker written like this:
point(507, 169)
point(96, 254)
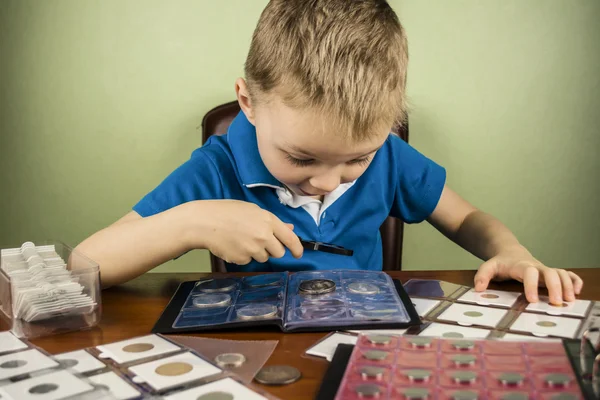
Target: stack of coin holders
point(451, 310)
point(310, 300)
point(48, 288)
point(389, 367)
point(148, 367)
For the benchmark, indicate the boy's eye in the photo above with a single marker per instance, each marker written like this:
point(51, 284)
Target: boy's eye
point(299, 162)
point(360, 161)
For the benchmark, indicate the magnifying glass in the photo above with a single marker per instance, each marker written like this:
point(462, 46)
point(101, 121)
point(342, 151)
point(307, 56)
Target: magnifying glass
point(325, 247)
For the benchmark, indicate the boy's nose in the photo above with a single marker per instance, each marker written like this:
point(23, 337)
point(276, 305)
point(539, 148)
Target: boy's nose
point(325, 183)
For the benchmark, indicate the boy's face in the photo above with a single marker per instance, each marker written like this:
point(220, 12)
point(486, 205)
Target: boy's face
point(303, 151)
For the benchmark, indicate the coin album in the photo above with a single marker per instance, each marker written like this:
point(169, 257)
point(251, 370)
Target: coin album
point(295, 302)
point(389, 367)
point(450, 310)
point(146, 367)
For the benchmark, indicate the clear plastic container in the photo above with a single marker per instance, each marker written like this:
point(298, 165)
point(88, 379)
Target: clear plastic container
point(48, 288)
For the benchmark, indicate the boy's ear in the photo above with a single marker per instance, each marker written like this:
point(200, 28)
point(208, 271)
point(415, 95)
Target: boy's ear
point(243, 97)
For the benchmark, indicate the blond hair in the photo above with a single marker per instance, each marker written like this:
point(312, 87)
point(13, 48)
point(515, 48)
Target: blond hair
point(345, 58)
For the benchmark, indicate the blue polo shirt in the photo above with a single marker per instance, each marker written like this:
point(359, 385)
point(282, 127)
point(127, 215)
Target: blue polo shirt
point(399, 182)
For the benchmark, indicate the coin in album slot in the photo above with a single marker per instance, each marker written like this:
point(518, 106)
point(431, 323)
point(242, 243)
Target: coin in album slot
point(420, 342)
point(363, 288)
point(462, 360)
point(558, 305)
point(564, 396)
point(379, 339)
point(316, 313)
point(211, 300)
point(464, 377)
point(174, 369)
point(515, 396)
point(317, 286)
point(375, 355)
point(259, 281)
point(257, 311)
point(464, 395)
point(43, 388)
point(375, 313)
point(230, 360)
point(557, 380)
point(511, 379)
point(463, 344)
point(138, 347)
point(372, 372)
point(216, 285)
point(490, 296)
point(416, 394)
point(473, 314)
point(368, 391)
point(418, 375)
point(546, 324)
point(278, 375)
point(68, 362)
point(216, 396)
point(454, 335)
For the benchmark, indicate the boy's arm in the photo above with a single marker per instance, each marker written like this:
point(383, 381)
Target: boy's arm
point(487, 238)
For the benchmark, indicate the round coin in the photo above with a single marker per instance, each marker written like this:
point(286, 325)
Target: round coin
point(559, 305)
point(456, 335)
point(368, 390)
point(416, 394)
point(262, 280)
point(421, 342)
point(317, 286)
point(216, 396)
point(256, 311)
point(515, 396)
point(211, 300)
point(216, 285)
point(230, 360)
point(379, 339)
point(463, 344)
point(278, 375)
point(375, 355)
point(511, 379)
point(473, 314)
point(372, 372)
point(490, 296)
point(418, 375)
point(546, 324)
point(464, 395)
point(559, 380)
point(464, 377)
point(463, 360)
point(564, 396)
point(363, 288)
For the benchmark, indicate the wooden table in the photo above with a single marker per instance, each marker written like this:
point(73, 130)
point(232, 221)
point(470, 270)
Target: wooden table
point(132, 309)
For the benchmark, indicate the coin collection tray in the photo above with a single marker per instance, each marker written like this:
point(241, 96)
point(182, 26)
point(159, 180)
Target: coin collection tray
point(390, 367)
point(455, 311)
point(300, 301)
point(147, 367)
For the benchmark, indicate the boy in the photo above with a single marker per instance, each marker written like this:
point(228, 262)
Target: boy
point(310, 155)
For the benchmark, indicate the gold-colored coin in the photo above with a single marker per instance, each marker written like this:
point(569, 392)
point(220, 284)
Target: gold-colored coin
point(174, 369)
point(138, 347)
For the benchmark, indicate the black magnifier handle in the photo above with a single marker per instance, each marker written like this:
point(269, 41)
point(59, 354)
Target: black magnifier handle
point(325, 247)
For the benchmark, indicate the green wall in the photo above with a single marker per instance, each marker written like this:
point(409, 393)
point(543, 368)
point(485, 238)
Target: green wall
point(100, 100)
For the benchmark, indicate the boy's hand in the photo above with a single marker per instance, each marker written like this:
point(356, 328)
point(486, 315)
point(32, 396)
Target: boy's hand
point(238, 231)
point(520, 265)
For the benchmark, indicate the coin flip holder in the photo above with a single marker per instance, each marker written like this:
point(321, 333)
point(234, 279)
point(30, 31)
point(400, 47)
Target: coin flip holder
point(136, 349)
point(9, 343)
point(47, 289)
point(414, 367)
point(300, 301)
point(24, 362)
point(79, 362)
point(53, 386)
point(496, 313)
point(118, 387)
point(224, 389)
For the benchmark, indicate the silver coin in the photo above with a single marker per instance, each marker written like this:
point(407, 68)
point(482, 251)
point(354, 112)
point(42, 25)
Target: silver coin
point(564, 396)
point(314, 313)
point(258, 281)
point(464, 395)
point(230, 360)
point(375, 313)
point(317, 286)
point(464, 377)
point(421, 342)
point(463, 344)
point(367, 390)
point(363, 288)
point(216, 396)
point(416, 394)
point(418, 375)
point(379, 339)
point(515, 396)
point(375, 355)
point(511, 379)
point(278, 375)
point(463, 359)
point(257, 311)
point(369, 372)
point(554, 380)
point(211, 300)
point(216, 285)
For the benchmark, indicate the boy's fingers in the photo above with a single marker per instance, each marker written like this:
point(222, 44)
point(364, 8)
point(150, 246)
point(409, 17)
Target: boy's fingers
point(484, 275)
point(554, 285)
point(531, 279)
point(288, 238)
point(291, 226)
point(577, 282)
point(275, 248)
point(262, 256)
point(567, 285)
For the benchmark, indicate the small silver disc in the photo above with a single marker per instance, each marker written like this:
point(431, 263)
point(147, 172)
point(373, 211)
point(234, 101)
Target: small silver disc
point(511, 379)
point(379, 339)
point(363, 288)
point(418, 375)
point(464, 395)
point(216, 396)
point(369, 372)
point(464, 377)
point(317, 286)
point(230, 360)
point(463, 344)
point(416, 394)
point(515, 396)
point(421, 342)
point(210, 300)
point(368, 391)
point(278, 375)
point(216, 285)
point(557, 380)
point(375, 355)
point(564, 396)
point(462, 360)
point(257, 311)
